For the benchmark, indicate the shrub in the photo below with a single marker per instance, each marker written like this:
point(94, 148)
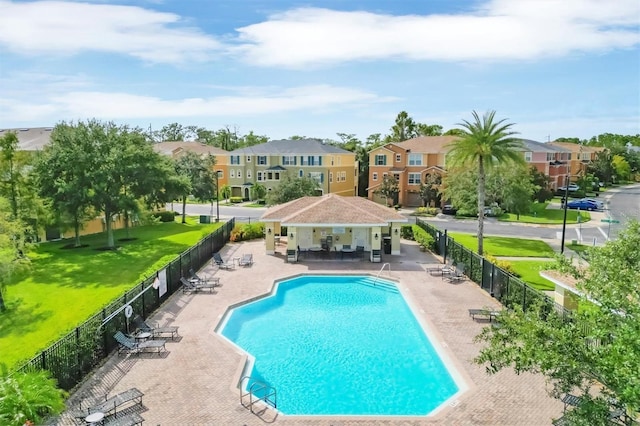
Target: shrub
point(406, 232)
point(235, 200)
point(423, 238)
point(247, 231)
point(166, 216)
point(426, 211)
point(503, 264)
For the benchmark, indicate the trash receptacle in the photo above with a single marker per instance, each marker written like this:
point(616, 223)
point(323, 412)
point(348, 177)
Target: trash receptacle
point(205, 219)
point(386, 241)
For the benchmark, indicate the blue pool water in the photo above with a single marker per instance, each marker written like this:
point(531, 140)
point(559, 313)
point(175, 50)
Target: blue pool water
point(338, 345)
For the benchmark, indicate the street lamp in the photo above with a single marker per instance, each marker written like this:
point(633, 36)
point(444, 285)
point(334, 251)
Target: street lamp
point(564, 221)
point(217, 197)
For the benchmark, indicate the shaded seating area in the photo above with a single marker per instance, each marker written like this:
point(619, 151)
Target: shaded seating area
point(217, 260)
point(131, 345)
point(142, 326)
point(246, 260)
point(195, 285)
point(617, 414)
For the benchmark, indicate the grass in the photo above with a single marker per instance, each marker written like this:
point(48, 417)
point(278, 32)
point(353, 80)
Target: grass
point(540, 214)
point(67, 286)
point(505, 246)
point(529, 271)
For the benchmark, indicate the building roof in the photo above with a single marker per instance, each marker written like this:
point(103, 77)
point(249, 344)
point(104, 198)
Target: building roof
point(291, 147)
point(534, 146)
point(332, 209)
point(428, 144)
point(574, 147)
point(34, 139)
point(173, 148)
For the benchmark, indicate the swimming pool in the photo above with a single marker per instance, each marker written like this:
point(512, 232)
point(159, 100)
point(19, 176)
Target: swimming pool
point(340, 345)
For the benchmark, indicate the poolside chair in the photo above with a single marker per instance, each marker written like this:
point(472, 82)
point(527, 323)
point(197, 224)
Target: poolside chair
point(141, 325)
point(204, 279)
point(360, 252)
point(221, 263)
point(129, 344)
point(193, 285)
point(457, 274)
point(246, 260)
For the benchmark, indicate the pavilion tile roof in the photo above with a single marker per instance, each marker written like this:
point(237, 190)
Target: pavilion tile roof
point(332, 209)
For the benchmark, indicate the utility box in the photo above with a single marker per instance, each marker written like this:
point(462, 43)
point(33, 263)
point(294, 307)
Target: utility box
point(205, 219)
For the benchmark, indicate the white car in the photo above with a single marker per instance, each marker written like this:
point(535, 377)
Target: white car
point(572, 188)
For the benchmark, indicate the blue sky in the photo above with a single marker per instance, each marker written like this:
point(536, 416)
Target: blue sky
point(284, 67)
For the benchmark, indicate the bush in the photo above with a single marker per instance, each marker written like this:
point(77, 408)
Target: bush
point(423, 238)
point(247, 231)
point(406, 232)
point(235, 200)
point(166, 216)
point(503, 264)
point(426, 211)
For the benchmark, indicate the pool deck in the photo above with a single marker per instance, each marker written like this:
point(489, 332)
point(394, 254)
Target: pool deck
point(195, 382)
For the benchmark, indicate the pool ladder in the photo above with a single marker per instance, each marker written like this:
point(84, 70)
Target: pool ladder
point(388, 265)
point(255, 389)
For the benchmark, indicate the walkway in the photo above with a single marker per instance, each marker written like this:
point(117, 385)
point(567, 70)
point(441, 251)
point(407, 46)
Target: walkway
point(195, 384)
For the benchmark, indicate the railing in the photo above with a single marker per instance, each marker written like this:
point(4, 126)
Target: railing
point(502, 285)
point(75, 355)
point(388, 265)
point(258, 390)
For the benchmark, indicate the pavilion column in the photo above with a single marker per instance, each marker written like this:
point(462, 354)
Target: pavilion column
point(395, 238)
point(269, 237)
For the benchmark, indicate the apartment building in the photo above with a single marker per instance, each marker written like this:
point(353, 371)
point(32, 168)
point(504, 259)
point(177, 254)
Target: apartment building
point(549, 159)
point(335, 169)
point(178, 148)
point(580, 156)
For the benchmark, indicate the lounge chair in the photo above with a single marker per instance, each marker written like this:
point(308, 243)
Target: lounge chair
point(217, 259)
point(132, 419)
point(193, 285)
point(111, 405)
point(246, 260)
point(128, 344)
point(141, 325)
point(204, 279)
point(487, 314)
point(441, 270)
point(457, 274)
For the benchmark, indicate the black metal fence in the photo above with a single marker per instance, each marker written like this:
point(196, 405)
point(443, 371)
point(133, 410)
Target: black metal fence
point(75, 355)
point(504, 286)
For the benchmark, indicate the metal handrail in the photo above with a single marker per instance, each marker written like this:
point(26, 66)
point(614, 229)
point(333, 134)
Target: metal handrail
point(380, 272)
point(256, 386)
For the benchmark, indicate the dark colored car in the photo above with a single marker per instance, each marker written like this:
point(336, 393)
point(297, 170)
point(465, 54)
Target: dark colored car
point(582, 205)
point(449, 209)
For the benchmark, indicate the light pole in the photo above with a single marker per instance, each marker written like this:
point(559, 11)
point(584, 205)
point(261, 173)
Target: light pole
point(217, 197)
point(564, 221)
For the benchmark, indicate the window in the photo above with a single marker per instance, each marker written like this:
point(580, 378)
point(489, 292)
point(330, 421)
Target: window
point(235, 159)
point(232, 173)
point(311, 160)
point(343, 176)
point(375, 176)
point(415, 159)
point(276, 175)
point(248, 174)
point(330, 177)
point(551, 156)
point(380, 160)
point(569, 156)
point(259, 176)
point(414, 178)
point(528, 156)
point(300, 173)
point(288, 160)
point(248, 158)
point(269, 175)
point(262, 160)
point(398, 158)
point(239, 173)
point(318, 176)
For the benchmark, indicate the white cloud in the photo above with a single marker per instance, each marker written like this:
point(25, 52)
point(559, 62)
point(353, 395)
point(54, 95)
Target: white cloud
point(499, 30)
point(112, 106)
point(58, 27)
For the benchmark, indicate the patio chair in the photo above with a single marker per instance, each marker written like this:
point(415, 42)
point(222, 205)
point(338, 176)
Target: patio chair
point(141, 325)
point(457, 274)
point(204, 279)
point(291, 256)
point(128, 344)
point(360, 252)
point(246, 260)
point(193, 285)
point(220, 262)
point(132, 419)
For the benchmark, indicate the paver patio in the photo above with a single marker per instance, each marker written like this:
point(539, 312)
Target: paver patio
point(195, 383)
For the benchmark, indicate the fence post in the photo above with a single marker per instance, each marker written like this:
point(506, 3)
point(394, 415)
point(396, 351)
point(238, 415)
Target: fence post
point(446, 246)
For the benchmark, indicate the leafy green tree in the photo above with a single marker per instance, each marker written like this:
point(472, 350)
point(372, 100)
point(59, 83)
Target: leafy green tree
point(459, 188)
point(389, 189)
point(63, 177)
point(14, 243)
point(453, 132)
point(259, 191)
point(28, 397)
point(175, 132)
point(292, 188)
point(485, 143)
point(517, 189)
point(15, 182)
point(251, 139)
point(199, 172)
point(225, 192)
point(429, 129)
point(430, 189)
point(595, 351)
point(404, 128)
point(601, 167)
point(542, 185)
point(621, 167)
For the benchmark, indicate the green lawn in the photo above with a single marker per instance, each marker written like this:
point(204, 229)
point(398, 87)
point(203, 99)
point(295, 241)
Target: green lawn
point(540, 214)
point(67, 286)
point(529, 271)
point(505, 246)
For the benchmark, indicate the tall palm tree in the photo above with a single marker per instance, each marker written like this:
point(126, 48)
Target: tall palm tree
point(484, 142)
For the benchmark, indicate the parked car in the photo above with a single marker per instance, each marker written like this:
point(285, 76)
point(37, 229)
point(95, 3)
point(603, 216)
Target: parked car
point(572, 188)
point(582, 205)
point(449, 209)
point(598, 203)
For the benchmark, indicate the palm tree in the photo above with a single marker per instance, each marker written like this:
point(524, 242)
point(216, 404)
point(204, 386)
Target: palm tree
point(484, 142)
